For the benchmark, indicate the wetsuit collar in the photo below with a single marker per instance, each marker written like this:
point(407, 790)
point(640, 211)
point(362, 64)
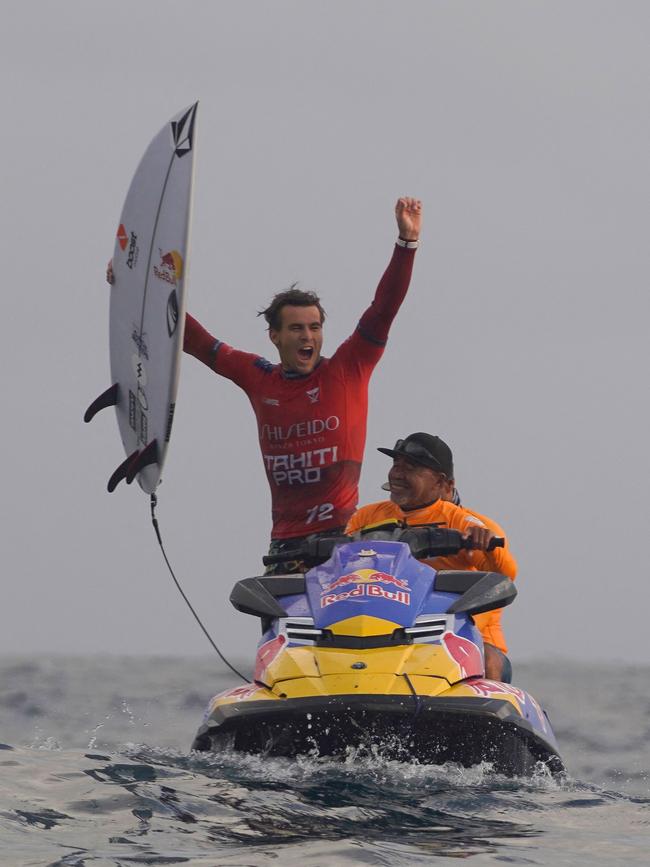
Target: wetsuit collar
point(417, 508)
point(293, 374)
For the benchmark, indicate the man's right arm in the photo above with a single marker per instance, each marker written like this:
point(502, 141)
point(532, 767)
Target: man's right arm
point(199, 342)
point(242, 368)
point(233, 364)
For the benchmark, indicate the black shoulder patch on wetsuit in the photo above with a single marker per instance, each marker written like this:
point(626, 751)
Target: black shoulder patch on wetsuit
point(264, 364)
point(369, 337)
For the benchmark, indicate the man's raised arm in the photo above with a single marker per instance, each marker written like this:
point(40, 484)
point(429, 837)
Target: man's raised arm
point(375, 323)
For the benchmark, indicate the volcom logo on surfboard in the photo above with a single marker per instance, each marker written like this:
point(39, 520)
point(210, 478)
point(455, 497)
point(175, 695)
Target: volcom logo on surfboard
point(183, 132)
point(170, 267)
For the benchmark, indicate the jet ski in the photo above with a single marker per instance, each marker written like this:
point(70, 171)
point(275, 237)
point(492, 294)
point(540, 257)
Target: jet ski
point(373, 650)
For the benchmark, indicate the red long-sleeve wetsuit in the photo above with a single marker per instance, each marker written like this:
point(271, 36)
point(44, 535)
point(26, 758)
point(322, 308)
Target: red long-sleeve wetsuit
point(312, 428)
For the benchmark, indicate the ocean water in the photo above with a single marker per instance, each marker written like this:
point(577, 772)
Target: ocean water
point(95, 770)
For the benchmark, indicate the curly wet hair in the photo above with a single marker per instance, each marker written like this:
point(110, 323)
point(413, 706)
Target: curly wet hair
point(291, 297)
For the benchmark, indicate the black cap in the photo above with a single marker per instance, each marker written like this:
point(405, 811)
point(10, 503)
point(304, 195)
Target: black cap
point(425, 449)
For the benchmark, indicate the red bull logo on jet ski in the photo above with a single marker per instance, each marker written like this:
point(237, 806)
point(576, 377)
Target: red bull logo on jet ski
point(266, 654)
point(465, 653)
point(170, 267)
point(528, 705)
point(238, 693)
point(489, 688)
point(366, 583)
point(367, 576)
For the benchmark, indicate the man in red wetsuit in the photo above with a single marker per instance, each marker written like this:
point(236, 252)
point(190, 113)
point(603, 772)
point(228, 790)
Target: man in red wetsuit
point(311, 411)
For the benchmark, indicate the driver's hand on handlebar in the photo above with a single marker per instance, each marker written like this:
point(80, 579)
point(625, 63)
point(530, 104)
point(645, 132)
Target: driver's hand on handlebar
point(480, 536)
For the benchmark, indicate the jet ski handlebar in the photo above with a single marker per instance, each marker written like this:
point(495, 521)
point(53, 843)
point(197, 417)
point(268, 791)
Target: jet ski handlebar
point(424, 542)
point(312, 551)
point(431, 541)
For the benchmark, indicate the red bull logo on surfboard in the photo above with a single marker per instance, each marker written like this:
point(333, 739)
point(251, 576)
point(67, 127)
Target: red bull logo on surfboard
point(170, 267)
point(366, 582)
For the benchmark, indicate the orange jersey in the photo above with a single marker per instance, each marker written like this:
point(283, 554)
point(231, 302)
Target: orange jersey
point(456, 518)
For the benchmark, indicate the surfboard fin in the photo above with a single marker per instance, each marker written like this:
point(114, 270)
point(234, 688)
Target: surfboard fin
point(121, 472)
point(148, 455)
point(108, 398)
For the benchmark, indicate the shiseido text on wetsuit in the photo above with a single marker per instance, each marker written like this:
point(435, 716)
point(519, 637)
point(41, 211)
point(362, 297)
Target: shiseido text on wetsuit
point(311, 427)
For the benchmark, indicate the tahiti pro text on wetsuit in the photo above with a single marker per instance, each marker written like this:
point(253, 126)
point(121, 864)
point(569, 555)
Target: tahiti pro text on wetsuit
point(312, 487)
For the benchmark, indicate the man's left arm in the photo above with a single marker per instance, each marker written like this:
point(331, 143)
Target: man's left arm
point(375, 323)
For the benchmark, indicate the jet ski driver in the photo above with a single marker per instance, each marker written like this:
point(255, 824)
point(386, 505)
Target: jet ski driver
point(421, 484)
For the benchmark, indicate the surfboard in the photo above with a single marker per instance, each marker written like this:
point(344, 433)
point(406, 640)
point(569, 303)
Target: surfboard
point(147, 305)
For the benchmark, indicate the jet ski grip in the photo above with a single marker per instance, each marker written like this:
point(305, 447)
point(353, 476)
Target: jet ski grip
point(495, 542)
point(430, 541)
point(312, 552)
point(281, 557)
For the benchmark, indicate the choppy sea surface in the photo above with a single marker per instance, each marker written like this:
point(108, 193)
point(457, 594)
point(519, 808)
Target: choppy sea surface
point(95, 769)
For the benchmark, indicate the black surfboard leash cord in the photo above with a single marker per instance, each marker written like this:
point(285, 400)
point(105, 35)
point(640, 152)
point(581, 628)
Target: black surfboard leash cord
point(154, 521)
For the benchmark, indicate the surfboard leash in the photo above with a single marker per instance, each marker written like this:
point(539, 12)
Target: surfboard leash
point(154, 521)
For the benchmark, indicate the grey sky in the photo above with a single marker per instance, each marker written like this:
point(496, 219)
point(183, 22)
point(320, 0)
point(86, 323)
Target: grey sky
point(525, 129)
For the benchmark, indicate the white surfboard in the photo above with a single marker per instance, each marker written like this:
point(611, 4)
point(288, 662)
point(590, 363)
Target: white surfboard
point(147, 307)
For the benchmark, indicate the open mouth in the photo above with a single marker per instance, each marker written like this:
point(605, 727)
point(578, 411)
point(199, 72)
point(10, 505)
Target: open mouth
point(306, 353)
